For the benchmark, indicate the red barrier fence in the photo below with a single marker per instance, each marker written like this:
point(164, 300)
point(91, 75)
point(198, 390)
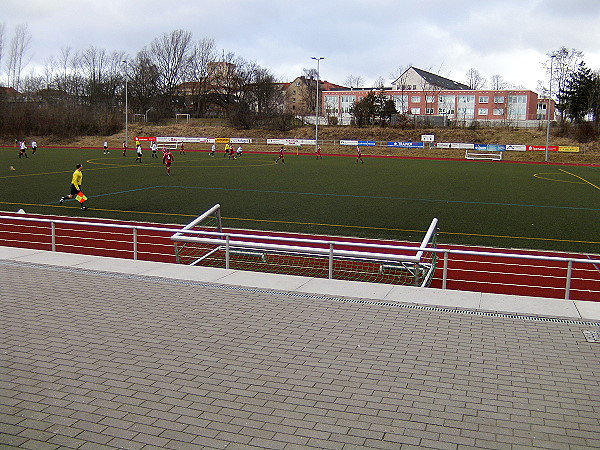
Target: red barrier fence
point(530, 273)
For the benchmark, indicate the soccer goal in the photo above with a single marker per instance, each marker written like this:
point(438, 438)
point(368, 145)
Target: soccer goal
point(204, 242)
point(490, 156)
point(172, 146)
point(182, 117)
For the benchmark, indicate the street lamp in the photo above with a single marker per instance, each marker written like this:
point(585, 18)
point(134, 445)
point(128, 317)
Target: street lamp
point(548, 108)
point(126, 106)
point(317, 106)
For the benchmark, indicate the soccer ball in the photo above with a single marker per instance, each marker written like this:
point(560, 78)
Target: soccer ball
point(11, 168)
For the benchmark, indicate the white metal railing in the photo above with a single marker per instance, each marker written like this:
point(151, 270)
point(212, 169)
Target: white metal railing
point(225, 237)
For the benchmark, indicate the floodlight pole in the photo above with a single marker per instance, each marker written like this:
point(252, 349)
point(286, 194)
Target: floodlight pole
point(317, 106)
point(126, 106)
point(548, 108)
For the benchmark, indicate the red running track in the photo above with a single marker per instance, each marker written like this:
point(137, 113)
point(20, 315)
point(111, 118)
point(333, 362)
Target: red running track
point(479, 273)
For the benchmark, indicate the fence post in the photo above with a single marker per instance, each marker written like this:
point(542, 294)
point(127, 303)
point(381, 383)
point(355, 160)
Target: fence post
point(227, 252)
point(53, 227)
point(135, 242)
point(331, 260)
point(417, 273)
point(445, 271)
point(568, 285)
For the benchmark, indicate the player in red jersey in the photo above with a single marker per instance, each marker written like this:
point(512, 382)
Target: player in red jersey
point(281, 156)
point(358, 155)
point(167, 160)
point(319, 156)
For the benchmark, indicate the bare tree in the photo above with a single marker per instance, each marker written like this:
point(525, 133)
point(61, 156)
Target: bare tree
point(204, 56)
point(354, 81)
point(379, 83)
point(475, 80)
point(143, 79)
point(19, 46)
point(2, 34)
point(564, 63)
point(171, 54)
point(497, 83)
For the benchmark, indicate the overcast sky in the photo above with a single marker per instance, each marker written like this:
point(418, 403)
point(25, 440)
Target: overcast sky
point(366, 38)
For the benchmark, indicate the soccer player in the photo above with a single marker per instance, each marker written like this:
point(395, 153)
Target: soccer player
point(239, 151)
point(358, 155)
point(226, 150)
point(139, 152)
point(281, 156)
point(319, 156)
point(124, 148)
point(75, 186)
point(181, 150)
point(167, 160)
point(33, 147)
point(213, 149)
point(154, 148)
point(22, 149)
point(106, 148)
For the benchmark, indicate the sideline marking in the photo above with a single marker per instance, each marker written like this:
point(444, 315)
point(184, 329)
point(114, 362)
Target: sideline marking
point(375, 197)
point(581, 178)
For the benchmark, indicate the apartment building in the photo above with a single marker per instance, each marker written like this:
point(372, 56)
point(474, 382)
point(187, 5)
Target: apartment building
point(422, 94)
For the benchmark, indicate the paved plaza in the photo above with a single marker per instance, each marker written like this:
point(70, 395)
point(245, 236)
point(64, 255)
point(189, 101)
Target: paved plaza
point(105, 353)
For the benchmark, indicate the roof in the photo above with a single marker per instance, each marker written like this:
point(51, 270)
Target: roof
point(439, 81)
point(10, 91)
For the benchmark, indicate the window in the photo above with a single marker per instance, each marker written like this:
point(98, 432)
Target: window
point(498, 111)
point(414, 87)
point(429, 111)
point(415, 99)
point(484, 99)
point(297, 84)
point(401, 102)
point(415, 110)
point(347, 102)
point(430, 98)
point(466, 99)
point(483, 111)
point(499, 99)
point(332, 104)
point(517, 107)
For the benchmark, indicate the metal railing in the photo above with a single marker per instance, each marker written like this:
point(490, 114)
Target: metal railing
point(445, 252)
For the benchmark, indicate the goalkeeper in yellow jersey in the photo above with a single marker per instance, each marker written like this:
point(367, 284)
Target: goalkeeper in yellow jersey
point(76, 187)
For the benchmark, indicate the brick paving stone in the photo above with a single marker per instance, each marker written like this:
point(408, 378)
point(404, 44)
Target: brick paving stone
point(136, 362)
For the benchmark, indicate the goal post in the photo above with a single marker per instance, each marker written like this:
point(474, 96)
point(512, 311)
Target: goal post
point(182, 117)
point(203, 242)
point(190, 250)
point(477, 155)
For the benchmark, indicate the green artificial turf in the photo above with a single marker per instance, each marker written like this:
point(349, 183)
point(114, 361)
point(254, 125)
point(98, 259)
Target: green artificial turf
point(497, 204)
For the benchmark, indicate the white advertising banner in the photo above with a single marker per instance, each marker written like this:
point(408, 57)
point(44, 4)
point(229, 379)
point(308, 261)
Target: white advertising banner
point(181, 139)
point(462, 145)
point(240, 140)
point(291, 141)
point(518, 148)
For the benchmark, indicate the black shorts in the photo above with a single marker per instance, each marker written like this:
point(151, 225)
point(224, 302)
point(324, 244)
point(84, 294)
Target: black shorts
point(74, 190)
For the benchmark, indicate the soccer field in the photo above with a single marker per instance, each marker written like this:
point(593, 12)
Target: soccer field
point(553, 207)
